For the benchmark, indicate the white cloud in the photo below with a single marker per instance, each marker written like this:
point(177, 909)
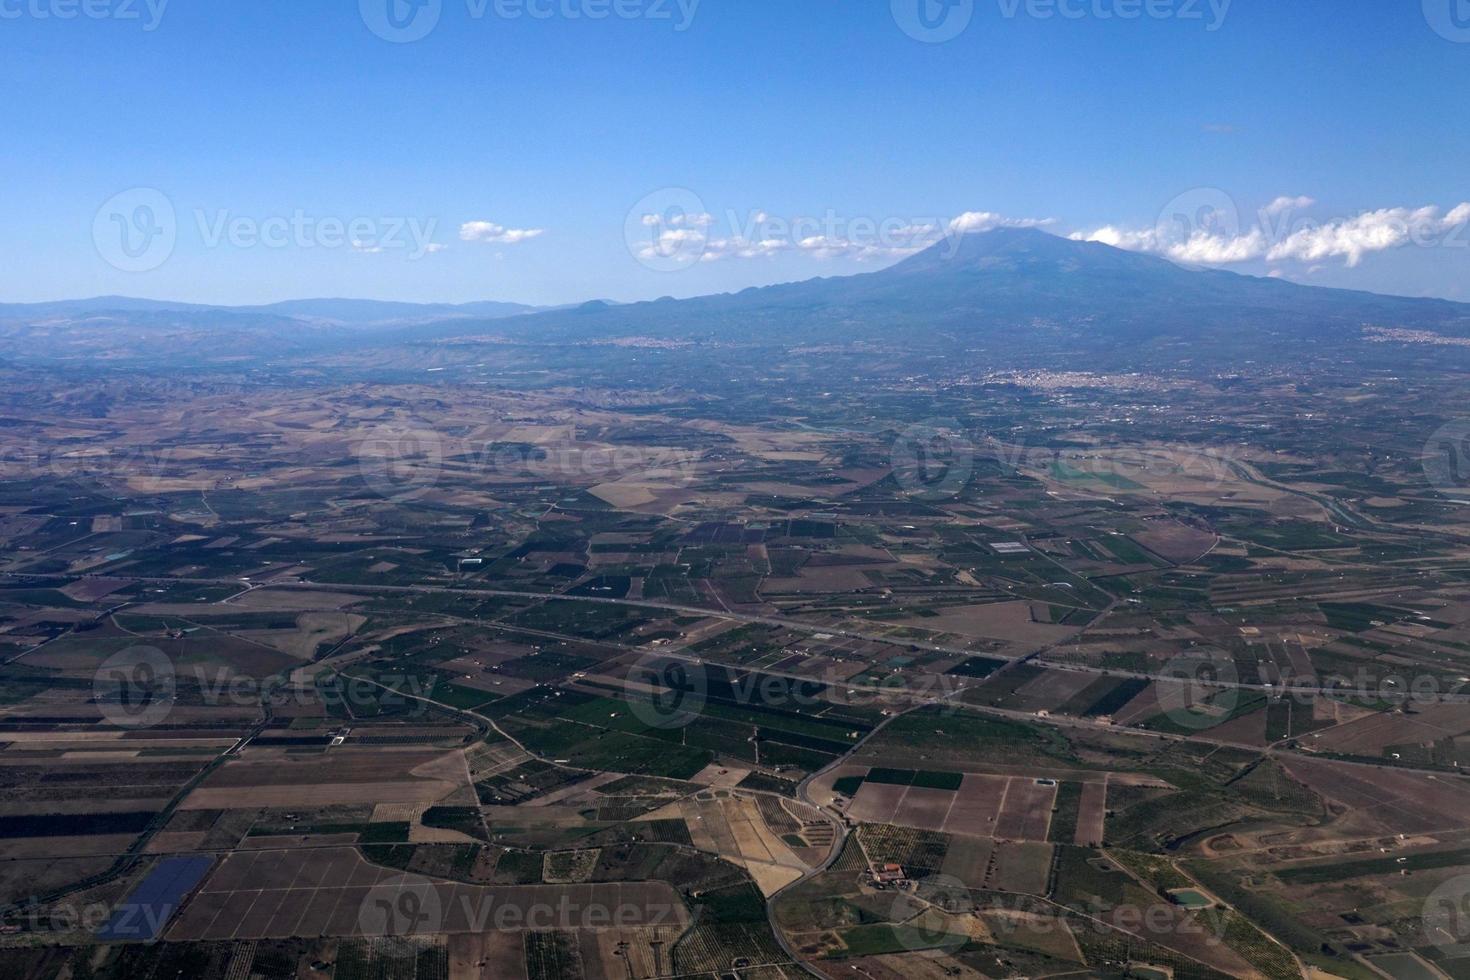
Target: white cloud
point(678, 235)
point(1209, 248)
point(816, 246)
point(860, 239)
point(1200, 248)
point(489, 233)
point(679, 220)
point(737, 247)
point(1283, 205)
point(1373, 231)
point(1133, 241)
point(1281, 235)
point(973, 221)
point(1301, 240)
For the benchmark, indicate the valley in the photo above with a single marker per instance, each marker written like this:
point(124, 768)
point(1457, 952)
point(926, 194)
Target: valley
point(865, 661)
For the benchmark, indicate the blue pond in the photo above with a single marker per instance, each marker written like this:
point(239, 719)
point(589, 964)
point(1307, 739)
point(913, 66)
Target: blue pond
point(142, 916)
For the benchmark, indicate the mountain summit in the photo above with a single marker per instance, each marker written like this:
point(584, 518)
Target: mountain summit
point(1026, 251)
point(1019, 286)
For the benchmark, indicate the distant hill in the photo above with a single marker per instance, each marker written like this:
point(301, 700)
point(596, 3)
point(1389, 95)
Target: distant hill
point(124, 331)
point(340, 311)
point(1015, 296)
point(1015, 285)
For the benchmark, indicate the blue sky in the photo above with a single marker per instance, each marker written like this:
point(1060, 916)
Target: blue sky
point(535, 138)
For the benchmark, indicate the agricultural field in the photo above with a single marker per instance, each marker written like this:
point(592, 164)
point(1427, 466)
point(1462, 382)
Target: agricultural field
point(665, 654)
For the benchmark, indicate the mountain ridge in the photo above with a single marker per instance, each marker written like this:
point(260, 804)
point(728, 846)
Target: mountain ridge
point(1002, 279)
point(1023, 295)
point(343, 310)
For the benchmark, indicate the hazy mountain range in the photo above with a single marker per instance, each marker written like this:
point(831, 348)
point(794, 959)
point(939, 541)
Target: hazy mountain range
point(1014, 278)
point(332, 311)
point(1008, 290)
